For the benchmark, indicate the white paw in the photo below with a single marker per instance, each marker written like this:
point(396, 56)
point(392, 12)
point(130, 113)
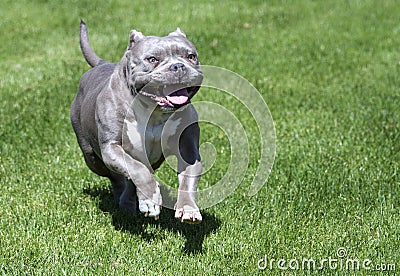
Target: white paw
point(149, 208)
point(188, 214)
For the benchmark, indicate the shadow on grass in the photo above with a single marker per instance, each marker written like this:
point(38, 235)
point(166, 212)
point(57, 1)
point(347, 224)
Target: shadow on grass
point(136, 225)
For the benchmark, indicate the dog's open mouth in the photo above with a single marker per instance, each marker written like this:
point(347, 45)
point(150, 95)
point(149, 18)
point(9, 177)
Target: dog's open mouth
point(173, 97)
point(176, 98)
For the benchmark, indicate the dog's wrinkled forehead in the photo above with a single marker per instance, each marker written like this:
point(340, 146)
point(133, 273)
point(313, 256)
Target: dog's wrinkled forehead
point(175, 43)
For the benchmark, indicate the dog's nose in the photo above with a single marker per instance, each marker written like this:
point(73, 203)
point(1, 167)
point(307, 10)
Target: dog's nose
point(177, 66)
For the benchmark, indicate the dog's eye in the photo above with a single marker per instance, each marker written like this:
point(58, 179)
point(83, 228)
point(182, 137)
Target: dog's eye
point(192, 57)
point(152, 59)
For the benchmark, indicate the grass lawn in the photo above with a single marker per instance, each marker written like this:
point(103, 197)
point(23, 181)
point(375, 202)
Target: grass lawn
point(330, 74)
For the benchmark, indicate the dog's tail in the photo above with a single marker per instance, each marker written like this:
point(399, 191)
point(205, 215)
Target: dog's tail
point(86, 49)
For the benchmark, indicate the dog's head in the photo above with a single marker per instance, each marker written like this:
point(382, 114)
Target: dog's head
point(164, 70)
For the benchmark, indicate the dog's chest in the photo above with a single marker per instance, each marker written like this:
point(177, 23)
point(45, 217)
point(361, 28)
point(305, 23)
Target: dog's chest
point(148, 142)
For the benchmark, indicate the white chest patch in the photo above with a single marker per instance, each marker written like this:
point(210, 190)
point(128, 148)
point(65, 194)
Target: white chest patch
point(134, 135)
point(171, 126)
point(144, 141)
point(148, 143)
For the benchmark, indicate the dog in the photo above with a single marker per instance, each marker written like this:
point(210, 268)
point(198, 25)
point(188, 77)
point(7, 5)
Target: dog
point(120, 111)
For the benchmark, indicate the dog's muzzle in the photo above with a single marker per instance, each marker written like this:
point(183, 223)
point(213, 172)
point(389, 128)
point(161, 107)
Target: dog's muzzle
point(173, 90)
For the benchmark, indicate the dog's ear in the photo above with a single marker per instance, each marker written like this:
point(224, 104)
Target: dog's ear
point(134, 37)
point(178, 32)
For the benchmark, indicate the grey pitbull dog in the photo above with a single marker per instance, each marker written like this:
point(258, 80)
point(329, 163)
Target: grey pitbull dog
point(119, 116)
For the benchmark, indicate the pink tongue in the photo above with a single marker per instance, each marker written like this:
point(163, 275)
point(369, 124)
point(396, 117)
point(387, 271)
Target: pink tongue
point(178, 97)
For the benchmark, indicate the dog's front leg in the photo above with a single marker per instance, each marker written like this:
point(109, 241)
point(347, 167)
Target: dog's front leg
point(186, 208)
point(147, 188)
point(189, 169)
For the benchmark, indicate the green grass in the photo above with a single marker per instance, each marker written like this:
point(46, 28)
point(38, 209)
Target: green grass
point(330, 73)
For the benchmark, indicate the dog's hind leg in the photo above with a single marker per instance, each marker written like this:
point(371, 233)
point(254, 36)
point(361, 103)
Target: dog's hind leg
point(125, 192)
point(94, 162)
point(118, 185)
